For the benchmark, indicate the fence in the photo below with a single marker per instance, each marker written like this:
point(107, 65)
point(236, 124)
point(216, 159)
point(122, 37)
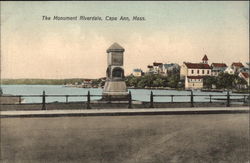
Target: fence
point(228, 98)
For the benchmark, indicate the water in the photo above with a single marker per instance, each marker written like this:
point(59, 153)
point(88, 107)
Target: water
point(137, 94)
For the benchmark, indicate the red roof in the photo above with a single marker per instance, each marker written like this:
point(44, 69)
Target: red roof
point(194, 77)
point(219, 65)
point(237, 64)
point(197, 65)
point(157, 64)
point(205, 58)
point(87, 80)
point(245, 74)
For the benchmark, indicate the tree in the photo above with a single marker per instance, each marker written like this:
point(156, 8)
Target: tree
point(158, 82)
point(1, 91)
point(226, 80)
point(173, 81)
point(208, 81)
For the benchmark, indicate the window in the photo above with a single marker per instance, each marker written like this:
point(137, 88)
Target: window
point(192, 71)
point(207, 71)
point(198, 71)
point(203, 72)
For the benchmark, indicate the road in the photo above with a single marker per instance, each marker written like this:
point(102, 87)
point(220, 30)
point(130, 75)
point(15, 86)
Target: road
point(127, 139)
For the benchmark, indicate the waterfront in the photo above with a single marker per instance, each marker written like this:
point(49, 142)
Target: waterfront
point(137, 94)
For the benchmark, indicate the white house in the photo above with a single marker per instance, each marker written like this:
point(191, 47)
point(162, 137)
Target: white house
point(218, 68)
point(245, 76)
point(171, 68)
point(193, 73)
point(237, 66)
point(150, 69)
point(193, 82)
point(87, 83)
point(229, 70)
point(158, 68)
point(137, 72)
point(195, 69)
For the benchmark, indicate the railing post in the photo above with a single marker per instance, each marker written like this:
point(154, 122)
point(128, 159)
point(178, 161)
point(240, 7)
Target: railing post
point(172, 98)
point(109, 99)
point(228, 99)
point(129, 100)
point(210, 98)
point(43, 101)
point(244, 99)
point(67, 98)
point(20, 99)
point(88, 101)
point(192, 99)
point(151, 100)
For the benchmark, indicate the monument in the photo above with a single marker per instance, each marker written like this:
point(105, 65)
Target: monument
point(115, 86)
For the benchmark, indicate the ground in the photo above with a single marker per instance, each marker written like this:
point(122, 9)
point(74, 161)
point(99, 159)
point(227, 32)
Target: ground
point(127, 139)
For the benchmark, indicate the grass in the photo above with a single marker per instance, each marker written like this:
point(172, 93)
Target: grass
point(128, 139)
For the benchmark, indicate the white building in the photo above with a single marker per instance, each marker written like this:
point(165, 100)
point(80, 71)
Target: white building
point(229, 70)
point(158, 68)
point(245, 76)
point(237, 66)
point(218, 68)
point(137, 72)
point(193, 82)
point(171, 68)
point(195, 69)
point(193, 73)
point(150, 69)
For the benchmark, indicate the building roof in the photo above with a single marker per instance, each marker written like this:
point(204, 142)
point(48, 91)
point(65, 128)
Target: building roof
point(137, 70)
point(197, 65)
point(245, 74)
point(218, 65)
point(195, 77)
point(87, 80)
point(168, 65)
point(205, 58)
point(237, 64)
point(115, 47)
point(157, 64)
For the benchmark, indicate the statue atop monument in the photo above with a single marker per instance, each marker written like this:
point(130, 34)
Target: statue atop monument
point(115, 84)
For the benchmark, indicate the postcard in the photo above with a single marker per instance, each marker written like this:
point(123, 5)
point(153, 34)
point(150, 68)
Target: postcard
point(124, 81)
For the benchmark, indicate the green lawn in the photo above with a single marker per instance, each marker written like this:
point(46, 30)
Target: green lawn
point(131, 139)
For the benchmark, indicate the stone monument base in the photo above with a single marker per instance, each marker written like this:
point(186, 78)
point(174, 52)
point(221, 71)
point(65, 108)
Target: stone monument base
point(115, 91)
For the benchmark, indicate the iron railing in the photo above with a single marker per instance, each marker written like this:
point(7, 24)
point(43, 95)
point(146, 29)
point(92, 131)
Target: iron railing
point(227, 98)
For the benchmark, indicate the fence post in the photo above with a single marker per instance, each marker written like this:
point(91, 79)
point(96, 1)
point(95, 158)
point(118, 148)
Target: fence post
point(151, 100)
point(192, 99)
point(244, 99)
point(67, 96)
point(20, 99)
point(43, 101)
point(210, 98)
point(228, 99)
point(172, 98)
point(88, 101)
point(129, 100)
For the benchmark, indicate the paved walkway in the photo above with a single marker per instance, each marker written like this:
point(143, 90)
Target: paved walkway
point(117, 112)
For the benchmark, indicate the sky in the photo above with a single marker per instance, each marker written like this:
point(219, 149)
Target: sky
point(172, 32)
